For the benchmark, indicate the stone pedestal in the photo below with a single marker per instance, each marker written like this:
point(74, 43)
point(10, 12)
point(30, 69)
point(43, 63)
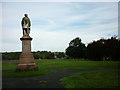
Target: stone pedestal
point(26, 59)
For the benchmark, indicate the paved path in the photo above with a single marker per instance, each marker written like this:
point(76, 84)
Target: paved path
point(44, 81)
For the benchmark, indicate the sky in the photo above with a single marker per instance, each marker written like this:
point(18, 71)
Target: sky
point(55, 24)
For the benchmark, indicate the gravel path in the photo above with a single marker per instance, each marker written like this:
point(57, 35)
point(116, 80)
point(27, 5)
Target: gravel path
point(44, 81)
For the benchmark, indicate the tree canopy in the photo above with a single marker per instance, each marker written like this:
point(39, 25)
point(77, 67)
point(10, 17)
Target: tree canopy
point(103, 49)
point(76, 48)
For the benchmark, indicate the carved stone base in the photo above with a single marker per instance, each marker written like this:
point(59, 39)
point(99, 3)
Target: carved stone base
point(26, 59)
point(29, 66)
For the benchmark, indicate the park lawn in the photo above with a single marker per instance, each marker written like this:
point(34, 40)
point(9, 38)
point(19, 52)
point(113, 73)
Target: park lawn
point(93, 79)
point(9, 65)
point(46, 64)
point(65, 64)
point(77, 64)
point(19, 74)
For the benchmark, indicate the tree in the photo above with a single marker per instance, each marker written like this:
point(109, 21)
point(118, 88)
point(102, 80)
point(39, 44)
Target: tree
point(36, 55)
point(113, 48)
point(104, 49)
point(76, 49)
point(10, 55)
point(95, 50)
point(59, 55)
point(46, 55)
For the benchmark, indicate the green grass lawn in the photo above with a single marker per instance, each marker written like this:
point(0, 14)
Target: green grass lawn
point(9, 65)
point(43, 65)
point(26, 73)
point(93, 79)
point(65, 64)
point(77, 64)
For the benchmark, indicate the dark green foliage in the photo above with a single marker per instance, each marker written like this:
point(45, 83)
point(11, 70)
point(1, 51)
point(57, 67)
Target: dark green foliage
point(48, 55)
point(76, 49)
point(43, 55)
point(10, 55)
point(59, 55)
point(37, 55)
point(104, 49)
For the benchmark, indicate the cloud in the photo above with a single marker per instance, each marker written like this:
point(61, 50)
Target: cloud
point(54, 25)
point(60, 1)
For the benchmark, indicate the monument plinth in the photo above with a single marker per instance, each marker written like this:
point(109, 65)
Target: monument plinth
point(26, 59)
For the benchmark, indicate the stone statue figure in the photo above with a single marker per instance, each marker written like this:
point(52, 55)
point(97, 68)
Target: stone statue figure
point(26, 25)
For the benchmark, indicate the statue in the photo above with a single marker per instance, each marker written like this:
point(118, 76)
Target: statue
point(26, 25)
point(26, 59)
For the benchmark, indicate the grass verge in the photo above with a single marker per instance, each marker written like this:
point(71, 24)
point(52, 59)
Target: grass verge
point(9, 65)
point(26, 73)
point(93, 79)
point(77, 64)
